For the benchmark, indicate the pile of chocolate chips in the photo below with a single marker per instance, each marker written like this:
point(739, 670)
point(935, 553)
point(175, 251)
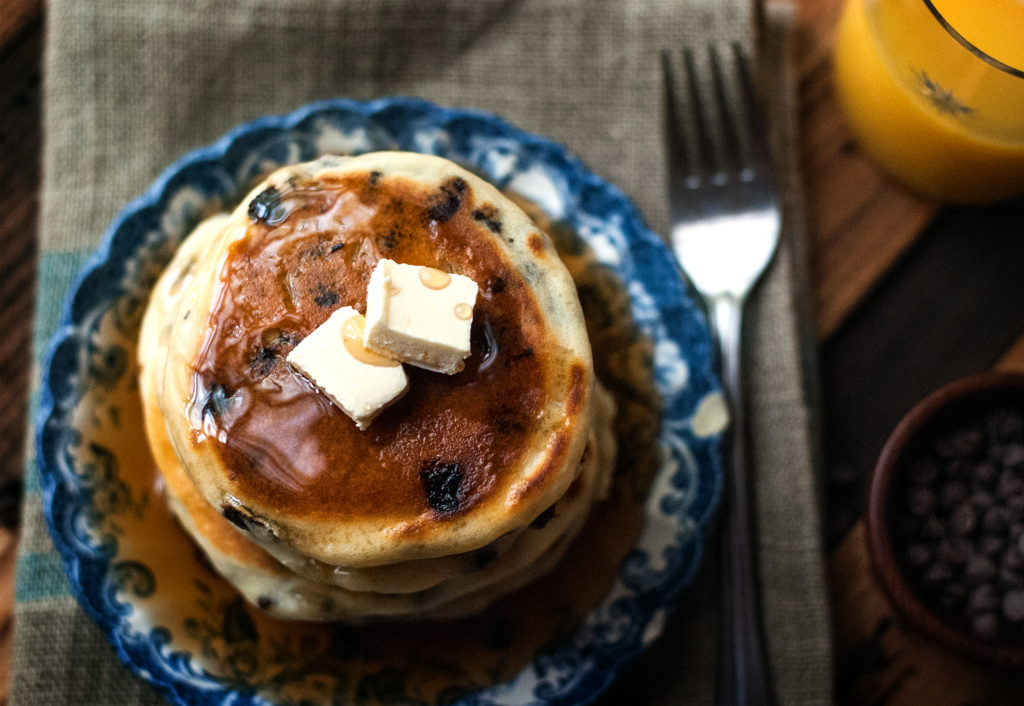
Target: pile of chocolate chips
point(958, 516)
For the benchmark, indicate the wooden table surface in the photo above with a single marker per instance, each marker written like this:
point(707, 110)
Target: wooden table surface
point(908, 295)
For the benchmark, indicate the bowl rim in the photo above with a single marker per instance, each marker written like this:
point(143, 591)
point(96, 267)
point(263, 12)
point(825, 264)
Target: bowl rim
point(888, 571)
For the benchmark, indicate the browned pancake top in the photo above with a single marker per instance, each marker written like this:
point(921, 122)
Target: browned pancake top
point(310, 249)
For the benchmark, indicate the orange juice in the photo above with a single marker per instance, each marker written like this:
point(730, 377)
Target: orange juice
point(945, 118)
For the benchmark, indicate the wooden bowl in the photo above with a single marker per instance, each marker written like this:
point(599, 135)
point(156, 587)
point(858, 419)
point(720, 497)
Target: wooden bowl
point(958, 402)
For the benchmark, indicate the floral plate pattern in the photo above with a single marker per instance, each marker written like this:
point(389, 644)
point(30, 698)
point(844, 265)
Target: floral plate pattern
point(133, 572)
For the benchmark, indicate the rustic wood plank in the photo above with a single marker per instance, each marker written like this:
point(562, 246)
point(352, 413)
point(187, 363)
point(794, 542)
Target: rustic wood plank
point(16, 16)
point(21, 44)
point(19, 186)
point(860, 222)
point(8, 559)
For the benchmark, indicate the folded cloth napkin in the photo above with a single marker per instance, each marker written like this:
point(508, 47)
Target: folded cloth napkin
point(131, 86)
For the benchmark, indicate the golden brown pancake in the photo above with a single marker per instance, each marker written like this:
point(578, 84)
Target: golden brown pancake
point(282, 592)
point(455, 465)
point(454, 586)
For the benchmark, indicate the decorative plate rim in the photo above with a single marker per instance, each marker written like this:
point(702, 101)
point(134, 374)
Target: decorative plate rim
point(59, 371)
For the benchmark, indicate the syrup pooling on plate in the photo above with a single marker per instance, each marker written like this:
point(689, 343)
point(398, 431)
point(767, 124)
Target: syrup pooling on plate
point(309, 250)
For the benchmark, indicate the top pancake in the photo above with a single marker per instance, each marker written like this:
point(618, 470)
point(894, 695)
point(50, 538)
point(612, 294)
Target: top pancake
point(453, 465)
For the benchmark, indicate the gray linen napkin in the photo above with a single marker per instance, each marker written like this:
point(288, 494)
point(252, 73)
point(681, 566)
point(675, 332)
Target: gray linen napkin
point(130, 86)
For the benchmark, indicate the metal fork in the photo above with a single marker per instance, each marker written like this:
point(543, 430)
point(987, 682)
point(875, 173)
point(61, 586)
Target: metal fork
point(725, 227)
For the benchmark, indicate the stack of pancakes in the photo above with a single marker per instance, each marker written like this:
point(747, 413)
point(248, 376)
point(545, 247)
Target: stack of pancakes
point(464, 489)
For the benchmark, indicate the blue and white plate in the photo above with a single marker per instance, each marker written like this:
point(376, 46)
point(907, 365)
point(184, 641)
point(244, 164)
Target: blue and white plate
point(176, 624)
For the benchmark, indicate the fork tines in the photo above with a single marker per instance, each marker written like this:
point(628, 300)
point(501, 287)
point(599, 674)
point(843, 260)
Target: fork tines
point(711, 125)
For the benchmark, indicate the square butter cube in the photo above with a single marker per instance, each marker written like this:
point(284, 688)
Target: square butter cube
point(420, 315)
point(360, 382)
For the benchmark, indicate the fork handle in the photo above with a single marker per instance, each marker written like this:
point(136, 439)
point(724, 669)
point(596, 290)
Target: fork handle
point(742, 672)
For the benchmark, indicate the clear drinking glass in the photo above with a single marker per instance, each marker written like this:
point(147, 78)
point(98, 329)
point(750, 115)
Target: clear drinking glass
point(934, 91)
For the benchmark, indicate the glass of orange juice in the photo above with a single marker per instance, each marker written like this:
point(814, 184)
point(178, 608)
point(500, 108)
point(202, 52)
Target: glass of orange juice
point(934, 91)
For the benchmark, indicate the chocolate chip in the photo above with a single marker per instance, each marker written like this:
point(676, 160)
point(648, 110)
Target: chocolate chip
point(961, 469)
point(937, 575)
point(982, 599)
point(1010, 483)
point(1010, 579)
point(265, 602)
point(263, 361)
point(1013, 454)
point(985, 472)
point(1013, 559)
point(326, 299)
point(265, 206)
point(979, 570)
point(443, 484)
point(495, 285)
point(1013, 606)
point(963, 520)
point(1016, 526)
point(953, 493)
point(387, 242)
point(918, 555)
point(239, 518)
point(955, 550)
point(922, 501)
point(488, 215)
point(933, 528)
point(1016, 503)
point(995, 453)
point(335, 248)
point(217, 401)
point(447, 204)
point(1006, 424)
point(997, 520)
point(541, 520)
point(982, 500)
point(990, 544)
point(966, 442)
point(986, 625)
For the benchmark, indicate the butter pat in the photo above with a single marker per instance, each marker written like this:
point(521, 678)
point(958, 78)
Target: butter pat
point(360, 382)
point(420, 315)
